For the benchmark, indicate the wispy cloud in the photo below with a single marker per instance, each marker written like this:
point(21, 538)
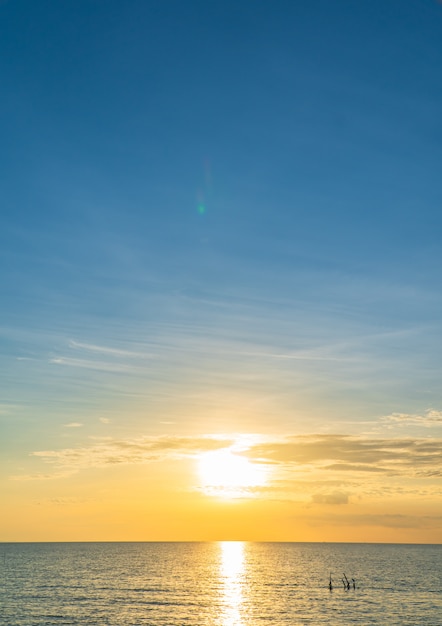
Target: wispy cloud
point(126, 452)
point(335, 498)
point(60, 502)
point(73, 425)
point(6, 409)
point(355, 468)
point(43, 475)
point(296, 356)
point(328, 469)
point(101, 358)
point(117, 352)
point(342, 452)
point(429, 419)
point(104, 366)
point(383, 521)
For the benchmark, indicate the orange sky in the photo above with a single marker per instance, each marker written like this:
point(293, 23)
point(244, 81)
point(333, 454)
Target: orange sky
point(220, 270)
point(302, 488)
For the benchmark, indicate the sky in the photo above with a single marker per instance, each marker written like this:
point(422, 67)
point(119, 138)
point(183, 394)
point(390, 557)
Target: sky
point(220, 270)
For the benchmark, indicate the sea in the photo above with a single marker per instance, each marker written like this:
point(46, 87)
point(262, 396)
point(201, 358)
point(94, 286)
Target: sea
point(220, 584)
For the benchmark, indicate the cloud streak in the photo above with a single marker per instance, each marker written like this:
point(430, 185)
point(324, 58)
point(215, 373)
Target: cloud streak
point(130, 452)
point(89, 347)
point(418, 456)
point(383, 521)
point(429, 419)
point(330, 498)
point(339, 463)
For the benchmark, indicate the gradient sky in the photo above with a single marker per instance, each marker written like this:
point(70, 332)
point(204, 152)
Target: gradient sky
point(221, 239)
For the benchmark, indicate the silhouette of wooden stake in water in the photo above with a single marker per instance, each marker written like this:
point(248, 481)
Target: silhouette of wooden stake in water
point(345, 582)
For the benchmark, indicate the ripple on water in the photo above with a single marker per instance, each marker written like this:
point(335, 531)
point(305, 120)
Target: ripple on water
point(227, 584)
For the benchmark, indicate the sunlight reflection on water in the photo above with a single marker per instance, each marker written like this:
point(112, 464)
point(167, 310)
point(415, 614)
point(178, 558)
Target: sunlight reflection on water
point(232, 579)
point(222, 584)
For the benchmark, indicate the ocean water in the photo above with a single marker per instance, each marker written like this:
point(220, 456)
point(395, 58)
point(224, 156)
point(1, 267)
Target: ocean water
point(219, 584)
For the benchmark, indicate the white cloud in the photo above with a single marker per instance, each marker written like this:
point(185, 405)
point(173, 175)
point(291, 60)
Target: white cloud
point(90, 347)
point(431, 418)
point(92, 365)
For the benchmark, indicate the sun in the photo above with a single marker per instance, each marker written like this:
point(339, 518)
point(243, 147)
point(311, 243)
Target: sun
point(227, 474)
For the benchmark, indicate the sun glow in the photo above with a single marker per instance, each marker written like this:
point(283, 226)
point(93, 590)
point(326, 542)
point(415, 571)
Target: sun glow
point(227, 474)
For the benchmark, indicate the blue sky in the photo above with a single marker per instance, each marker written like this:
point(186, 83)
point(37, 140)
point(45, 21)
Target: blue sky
point(219, 217)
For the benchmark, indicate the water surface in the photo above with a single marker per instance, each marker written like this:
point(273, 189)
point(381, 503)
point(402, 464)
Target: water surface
point(219, 584)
